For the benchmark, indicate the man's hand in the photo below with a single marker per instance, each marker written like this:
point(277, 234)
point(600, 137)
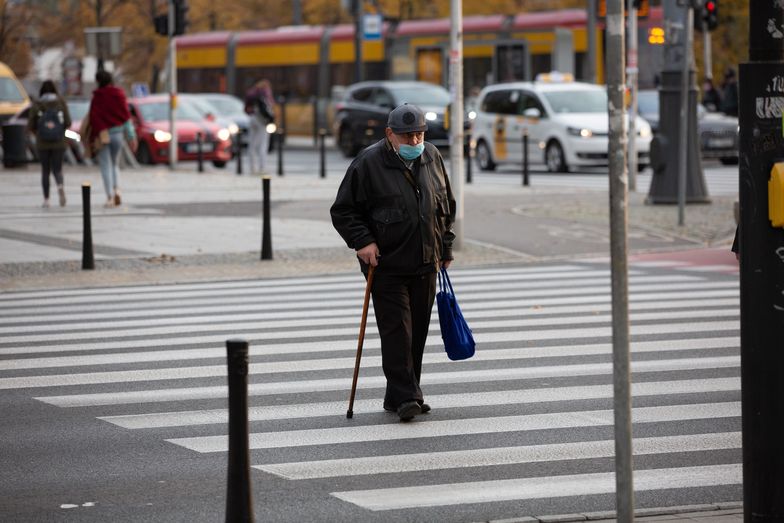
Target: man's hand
point(446, 263)
point(369, 254)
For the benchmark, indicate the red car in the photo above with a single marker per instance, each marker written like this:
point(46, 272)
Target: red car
point(150, 115)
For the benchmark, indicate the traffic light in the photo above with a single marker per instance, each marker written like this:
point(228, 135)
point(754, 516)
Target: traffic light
point(711, 15)
point(180, 17)
point(161, 23)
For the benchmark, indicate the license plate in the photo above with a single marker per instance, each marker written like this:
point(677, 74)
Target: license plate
point(194, 148)
point(720, 143)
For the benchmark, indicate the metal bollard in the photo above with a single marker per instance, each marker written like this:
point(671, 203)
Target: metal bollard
point(88, 257)
point(266, 234)
point(200, 151)
point(525, 157)
point(280, 138)
point(238, 150)
point(316, 128)
point(323, 152)
point(239, 502)
point(467, 150)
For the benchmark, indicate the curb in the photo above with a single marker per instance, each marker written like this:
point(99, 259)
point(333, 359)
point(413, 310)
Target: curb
point(731, 506)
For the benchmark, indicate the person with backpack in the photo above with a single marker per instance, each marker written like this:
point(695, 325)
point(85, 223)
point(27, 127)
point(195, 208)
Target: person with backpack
point(110, 124)
point(49, 118)
point(260, 105)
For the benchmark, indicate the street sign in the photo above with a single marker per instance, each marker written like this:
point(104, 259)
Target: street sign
point(371, 27)
point(140, 89)
point(103, 41)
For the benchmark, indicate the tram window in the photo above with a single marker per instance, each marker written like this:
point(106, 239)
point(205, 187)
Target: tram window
point(510, 62)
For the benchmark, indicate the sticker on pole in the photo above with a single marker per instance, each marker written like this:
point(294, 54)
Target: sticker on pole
point(371, 27)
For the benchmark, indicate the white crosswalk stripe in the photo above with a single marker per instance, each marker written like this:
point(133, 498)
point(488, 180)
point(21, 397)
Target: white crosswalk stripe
point(535, 401)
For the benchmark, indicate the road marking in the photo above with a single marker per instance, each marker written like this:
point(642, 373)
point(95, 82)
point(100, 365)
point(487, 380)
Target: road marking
point(322, 385)
point(487, 457)
point(394, 430)
point(539, 488)
point(439, 401)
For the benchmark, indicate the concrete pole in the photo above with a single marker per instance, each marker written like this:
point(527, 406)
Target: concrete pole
point(631, 71)
point(619, 208)
point(456, 115)
point(707, 55)
point(683, 150)
point(172, 88)
point(761, 103)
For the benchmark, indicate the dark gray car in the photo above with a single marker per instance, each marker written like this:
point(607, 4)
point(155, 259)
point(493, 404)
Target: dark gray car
point(718, 132)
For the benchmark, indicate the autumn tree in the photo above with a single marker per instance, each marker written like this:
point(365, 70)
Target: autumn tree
point(15, 19)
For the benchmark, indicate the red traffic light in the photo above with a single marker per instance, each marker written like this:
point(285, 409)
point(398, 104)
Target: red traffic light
point(710, 6)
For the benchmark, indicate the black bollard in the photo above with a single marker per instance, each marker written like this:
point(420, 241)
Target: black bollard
point(323, 151)
point(467, 150)
point(238, 150)
point(282, 102)
point(280, 139)
point(239, 502)
point(88, 258)
point(200, 152)
point(316, 128)
point(266, 234)
point(525, 157)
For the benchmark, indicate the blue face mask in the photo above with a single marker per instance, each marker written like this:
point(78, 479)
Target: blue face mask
point(411, 152)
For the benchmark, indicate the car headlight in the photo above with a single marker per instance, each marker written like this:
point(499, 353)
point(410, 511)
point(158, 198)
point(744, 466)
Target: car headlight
point(271, 128)
point(583, 133)
point(233, 128)
point(645, 132)
point(430, 116)
point(472, 115)
point(224, 134)
point(73, 135)
point(162, 136)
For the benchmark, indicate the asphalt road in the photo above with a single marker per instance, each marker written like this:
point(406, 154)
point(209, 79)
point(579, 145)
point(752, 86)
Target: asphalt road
point(114, 400)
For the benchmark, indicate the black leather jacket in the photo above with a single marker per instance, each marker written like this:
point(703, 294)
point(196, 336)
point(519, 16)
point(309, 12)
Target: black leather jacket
point(408, 213)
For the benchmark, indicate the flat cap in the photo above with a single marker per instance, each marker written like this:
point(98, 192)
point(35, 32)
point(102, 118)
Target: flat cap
point(407, 118)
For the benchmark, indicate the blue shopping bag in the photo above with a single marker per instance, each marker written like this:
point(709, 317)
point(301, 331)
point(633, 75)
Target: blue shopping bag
point(458, 339)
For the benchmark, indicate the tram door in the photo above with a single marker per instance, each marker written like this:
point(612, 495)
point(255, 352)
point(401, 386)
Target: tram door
point(430, 65)
point(511, 63)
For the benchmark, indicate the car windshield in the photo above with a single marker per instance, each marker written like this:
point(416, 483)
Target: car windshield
point(158, 111)
point(648, 102)
point(226, 104)
point(78, 108)
point(422, 95)
point(577, 101)
point(9, 91)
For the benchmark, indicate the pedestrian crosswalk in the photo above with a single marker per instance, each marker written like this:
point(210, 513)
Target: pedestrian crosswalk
point(524, 428)
point(720, 181)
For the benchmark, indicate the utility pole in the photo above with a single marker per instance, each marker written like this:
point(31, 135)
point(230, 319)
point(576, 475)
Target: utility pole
point(619, 208)
point(172, 86)
point(456, 137)
point(358, 9)
point(631, 71)
point(590, 72)
point(761, 242)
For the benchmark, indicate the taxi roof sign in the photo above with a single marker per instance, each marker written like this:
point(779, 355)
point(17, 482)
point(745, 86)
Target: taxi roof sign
point(554, 77)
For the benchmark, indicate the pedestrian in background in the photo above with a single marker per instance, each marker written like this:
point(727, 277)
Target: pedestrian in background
point(395, 208)
point(260, 105)
point(711, 98)
point(110, 125)
point(48, 120)
point(729, 94)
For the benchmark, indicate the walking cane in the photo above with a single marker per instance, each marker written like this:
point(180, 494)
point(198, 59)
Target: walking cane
point(350, 412)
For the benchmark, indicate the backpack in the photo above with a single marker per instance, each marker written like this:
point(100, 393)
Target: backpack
point(50, 125)
point(263, 109)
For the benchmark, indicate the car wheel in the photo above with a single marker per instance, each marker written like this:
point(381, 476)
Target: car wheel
point(346, 143)
point(729, 160)
point(483, 156)
point(143, 154)
point(219, 164)
point(554, 158)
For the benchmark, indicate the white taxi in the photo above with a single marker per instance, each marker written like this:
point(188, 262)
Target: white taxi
point(567, 124)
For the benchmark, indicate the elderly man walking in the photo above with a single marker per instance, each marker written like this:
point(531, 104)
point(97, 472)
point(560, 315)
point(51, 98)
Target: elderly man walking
point(395, 208)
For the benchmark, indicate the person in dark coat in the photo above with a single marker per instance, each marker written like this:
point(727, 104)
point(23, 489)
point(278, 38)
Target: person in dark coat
point(395, 208)
point(729, 95)
point(48, 121)
point(711, 98)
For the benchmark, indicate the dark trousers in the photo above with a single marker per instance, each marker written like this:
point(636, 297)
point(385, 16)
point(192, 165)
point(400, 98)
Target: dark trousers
point(51, 163)
point(402, 306)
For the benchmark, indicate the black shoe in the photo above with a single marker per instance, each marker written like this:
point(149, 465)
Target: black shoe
point(407, 410)
point(389, 408)
point(424, 407)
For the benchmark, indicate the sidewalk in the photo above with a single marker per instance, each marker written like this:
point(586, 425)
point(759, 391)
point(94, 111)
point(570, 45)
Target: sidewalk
point(189, 226)
point(714, 513)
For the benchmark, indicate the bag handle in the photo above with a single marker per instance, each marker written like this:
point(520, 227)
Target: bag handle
point(444, 283)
